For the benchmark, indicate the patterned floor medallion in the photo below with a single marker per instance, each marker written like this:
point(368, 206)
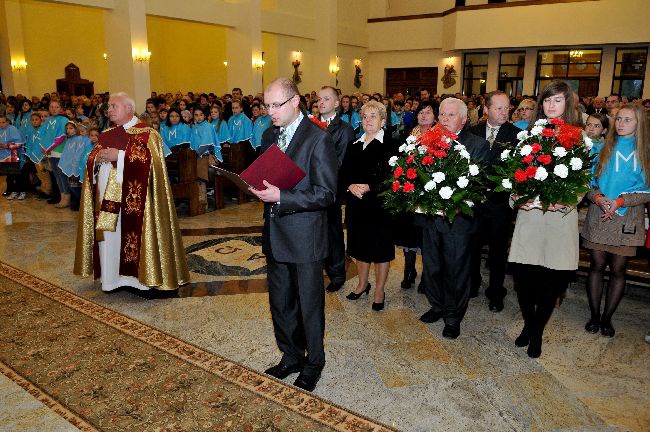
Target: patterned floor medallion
point(239, 256)
point(102, 370)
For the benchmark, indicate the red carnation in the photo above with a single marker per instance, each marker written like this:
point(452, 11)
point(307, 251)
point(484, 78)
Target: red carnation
point(528, 159)
point(431, 150)
point(427, 160)
point(410, 158)
point(530, 171)
point(545, 159)
point(520, 175)
point(569, 135)
point(556, 121)
point(396, 186)
point(411, 173)
point(408, 187)
point(536, 147)
point(546, 132)
point(440, 153)
point(398, 172)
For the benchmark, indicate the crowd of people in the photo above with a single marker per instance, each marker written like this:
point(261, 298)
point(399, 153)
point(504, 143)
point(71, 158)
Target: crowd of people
point(45, 143)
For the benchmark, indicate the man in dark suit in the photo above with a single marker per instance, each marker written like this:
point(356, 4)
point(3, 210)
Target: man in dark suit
point(342, 135)
point(494, 216)
point(446, 247)
point(598, 106)
point(294, 239)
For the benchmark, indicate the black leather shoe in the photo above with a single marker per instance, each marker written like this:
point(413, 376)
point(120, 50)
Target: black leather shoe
point(409, 279)
point(523, 339)
point(333, 287)
point(535, 347)
point(307, 382)
point(281, 371)
point(593, 325)
point(606, 329)
point(496, 305)
point(430, 316)
point(451, 332)
point(355, 296)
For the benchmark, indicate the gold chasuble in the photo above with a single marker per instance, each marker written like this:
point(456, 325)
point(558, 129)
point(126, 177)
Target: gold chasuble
point(151, 248)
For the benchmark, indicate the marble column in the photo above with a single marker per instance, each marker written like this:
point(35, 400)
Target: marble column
point(244, 49)
point(325, 16)
point(126, 32)
point(12, 50)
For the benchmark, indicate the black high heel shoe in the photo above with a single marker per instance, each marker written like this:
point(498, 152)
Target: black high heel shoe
point(379, 306)
point(593, 325)
point(355, 296)
point(606, 328)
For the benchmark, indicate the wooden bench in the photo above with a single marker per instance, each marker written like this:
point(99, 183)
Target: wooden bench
point(192, 175)
point(221, 183)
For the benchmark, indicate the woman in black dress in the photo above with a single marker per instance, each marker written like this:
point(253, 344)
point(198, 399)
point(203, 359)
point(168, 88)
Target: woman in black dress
point(364, 170)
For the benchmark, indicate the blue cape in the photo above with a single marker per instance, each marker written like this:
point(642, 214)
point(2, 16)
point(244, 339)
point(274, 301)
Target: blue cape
point(75, 148)
point(11, 135)
point(241, 128)
point(204, 140)
point(261, 124)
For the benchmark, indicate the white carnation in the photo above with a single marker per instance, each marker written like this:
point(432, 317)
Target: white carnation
point(469, 203)
point(522, 135)
point(506, 183)
point(473, 169)
point(526, 150)
point(576, 163)
point(402, 148)
point(541, 174)
point(410, 147)
point(459, 147)
point(559, 151)
point(422, 149)
point(392, 161)
point(537, 130)
point(464, 154)
point(561, 171)
point(588, 142)
point(430, 186)
point(541, 122)
point(438, 177)
point(505, 154)
point(462, 182)
point(411, 139)
point(446, 192)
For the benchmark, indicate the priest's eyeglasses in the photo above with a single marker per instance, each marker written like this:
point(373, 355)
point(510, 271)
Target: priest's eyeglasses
point(277, 105)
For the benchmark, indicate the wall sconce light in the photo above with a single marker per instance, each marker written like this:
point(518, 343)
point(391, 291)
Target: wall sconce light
point(18, 65)
point(225, 64)
point(296, 65)
point(258, 64)
point(575, 54)
point(357, 73)
point(357, 62)
point(105, 56)
point(141, 56)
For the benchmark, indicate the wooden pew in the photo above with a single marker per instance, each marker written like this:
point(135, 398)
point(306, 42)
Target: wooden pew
point(192, 174)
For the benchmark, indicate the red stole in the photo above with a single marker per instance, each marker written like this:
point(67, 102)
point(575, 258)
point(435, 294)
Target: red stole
point(135, 179)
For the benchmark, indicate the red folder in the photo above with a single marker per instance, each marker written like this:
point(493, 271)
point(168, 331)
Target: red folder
point(276, 168)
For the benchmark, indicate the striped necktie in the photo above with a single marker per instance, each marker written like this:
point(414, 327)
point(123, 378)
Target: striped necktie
point(283, 143)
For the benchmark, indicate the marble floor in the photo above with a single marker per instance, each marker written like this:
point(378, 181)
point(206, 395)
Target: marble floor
point(387, 365)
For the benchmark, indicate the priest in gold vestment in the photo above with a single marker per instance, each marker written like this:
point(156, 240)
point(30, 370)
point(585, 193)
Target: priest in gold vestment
point(128, 233)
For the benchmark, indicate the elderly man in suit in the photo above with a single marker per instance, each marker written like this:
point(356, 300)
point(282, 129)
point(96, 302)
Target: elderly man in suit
point(494, 216)
point(445, 246)
point(294, 239)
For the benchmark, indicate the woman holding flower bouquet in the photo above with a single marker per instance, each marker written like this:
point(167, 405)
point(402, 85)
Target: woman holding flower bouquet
point(551, 173)
point(364, 169)
point(614, 226)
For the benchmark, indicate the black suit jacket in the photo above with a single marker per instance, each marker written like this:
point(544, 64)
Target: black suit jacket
point(590, 110)
point(342, 135)
point(295, 231)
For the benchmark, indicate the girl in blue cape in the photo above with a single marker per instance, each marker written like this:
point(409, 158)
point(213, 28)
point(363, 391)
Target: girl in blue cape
point(261, 124)
point(220, 125)
point(204, 139)
point(76, 145)
point(241, 130)
point(174, 131)
point(614, 226)
point(12, 159)
point(53, 140)
point(24, 120)
point(33, 145)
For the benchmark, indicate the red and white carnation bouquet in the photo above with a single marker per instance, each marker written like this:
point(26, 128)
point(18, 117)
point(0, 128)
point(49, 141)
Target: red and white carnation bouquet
point(549, 165)
point(434, 174)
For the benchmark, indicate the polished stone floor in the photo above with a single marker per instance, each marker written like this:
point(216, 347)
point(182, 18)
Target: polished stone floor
point(386, 365)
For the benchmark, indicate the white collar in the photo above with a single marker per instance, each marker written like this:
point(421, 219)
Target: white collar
point(130, 123)
point(329, 119)
point(379, 137)
point(492, 127)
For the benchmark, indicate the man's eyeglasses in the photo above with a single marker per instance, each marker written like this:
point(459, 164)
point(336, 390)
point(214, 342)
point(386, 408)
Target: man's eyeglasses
point(277, 105)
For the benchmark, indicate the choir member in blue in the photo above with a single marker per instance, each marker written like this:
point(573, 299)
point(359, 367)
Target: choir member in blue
point(53, 145)
point(204, 139)
point(261, 124)
point(175, 131)
point(219, 125)
point(24, 119)
point(349, 115)
point(70, 163)
point(241, 130)
point(12, 159)
point(32, 135)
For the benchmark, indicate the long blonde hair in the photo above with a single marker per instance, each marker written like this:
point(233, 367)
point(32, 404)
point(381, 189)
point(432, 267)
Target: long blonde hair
point(642, 135)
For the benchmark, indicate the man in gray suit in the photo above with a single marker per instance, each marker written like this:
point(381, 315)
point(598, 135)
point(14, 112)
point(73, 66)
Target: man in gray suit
point(294, 239)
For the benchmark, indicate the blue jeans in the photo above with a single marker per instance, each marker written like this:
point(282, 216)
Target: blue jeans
point(61, 179)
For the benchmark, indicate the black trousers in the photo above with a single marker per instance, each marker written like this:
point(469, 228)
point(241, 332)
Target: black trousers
point(446, 268)
point(335, 262)
point(537, 291)
point(297, 299)
point(494, 226)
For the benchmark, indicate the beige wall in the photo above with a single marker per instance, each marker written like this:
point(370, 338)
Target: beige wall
point(50, 45)
point(186, 56)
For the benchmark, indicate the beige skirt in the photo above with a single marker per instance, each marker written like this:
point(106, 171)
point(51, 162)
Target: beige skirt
point(628, 251)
